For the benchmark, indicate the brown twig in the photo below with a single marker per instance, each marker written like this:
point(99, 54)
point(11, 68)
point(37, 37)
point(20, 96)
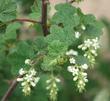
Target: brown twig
point(20, 20)
point(10, 90)
point(27, 20)
point(44, 17)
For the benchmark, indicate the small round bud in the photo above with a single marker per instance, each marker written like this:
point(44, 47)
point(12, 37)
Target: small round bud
point(28, 61)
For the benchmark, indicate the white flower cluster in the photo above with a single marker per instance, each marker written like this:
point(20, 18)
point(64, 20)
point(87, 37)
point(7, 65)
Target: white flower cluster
point(28, 80)
point(79, 75)
point(78, 72)
point(90, 47)
point(52, 87)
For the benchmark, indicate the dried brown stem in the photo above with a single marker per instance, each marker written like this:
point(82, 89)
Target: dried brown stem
point(10, 90)
point(44, 17)
point(19, 20)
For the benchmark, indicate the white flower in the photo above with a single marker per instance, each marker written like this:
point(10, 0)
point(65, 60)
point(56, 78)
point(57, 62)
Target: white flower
point(72, 60)
point(81, 82)
point(83, 47)
point(88, 43)
point(73, 70)
point(83, 27)
point(75, 78)
point(85, 80)
point(32, 72)
point(84, 66)
point(84, 74)
point(94, 52)
point(19, 79)
point(57, 80)
point(70, 68)
point(96, 43)
point(72, 53)
point(28, 61)
point(77, 35)
point(22, 71)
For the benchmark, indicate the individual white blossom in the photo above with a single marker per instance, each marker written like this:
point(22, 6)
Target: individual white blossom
point(28, 80)
point(83, 27)
point(72, 52)
point(77, 35)
point(96, 43)
point(57, 80)
point(73, 70)
point(84, 66)
point(22, 71)
point(28, 61)
point(72, 60)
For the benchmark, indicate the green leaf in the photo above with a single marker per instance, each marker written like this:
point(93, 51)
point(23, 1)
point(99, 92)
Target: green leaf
point(3, 87)
point(55, 50)
point(18, 54)
point(11, 31)
point(93, 27)
point(88, 19)
point(66, 15)
point(94, 30)
point(36, 10)
point(81, 60)
point(39, 43)
point(7, 10)
point(58, 33)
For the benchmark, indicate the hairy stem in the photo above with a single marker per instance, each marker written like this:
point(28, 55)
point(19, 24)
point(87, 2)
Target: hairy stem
point(44, 17)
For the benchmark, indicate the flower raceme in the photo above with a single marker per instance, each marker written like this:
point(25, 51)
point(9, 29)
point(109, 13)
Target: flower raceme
point(78, 71)
point(29, 79)
point(52, 87)
point(79, 75)
point(90, 47)
point(90, 44)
